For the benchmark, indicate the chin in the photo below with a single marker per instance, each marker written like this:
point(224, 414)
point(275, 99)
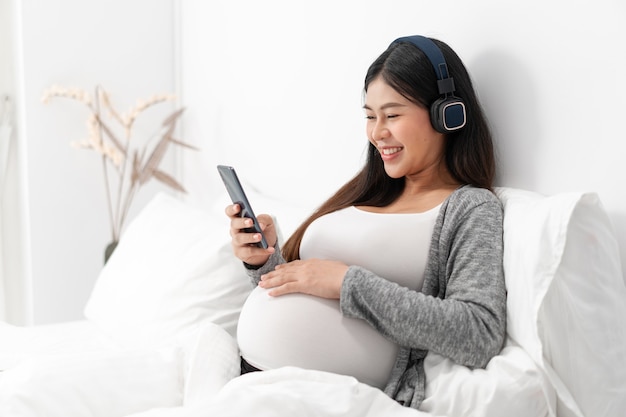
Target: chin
point(393, 173)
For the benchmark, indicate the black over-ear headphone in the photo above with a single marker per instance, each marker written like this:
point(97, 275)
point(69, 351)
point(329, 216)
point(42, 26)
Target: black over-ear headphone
point(447, 113)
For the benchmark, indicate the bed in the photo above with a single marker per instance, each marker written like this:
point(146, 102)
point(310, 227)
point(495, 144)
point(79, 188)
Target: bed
point(158, 334)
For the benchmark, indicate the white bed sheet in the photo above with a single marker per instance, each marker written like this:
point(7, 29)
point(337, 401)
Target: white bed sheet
point(18, 343)
point(74, 370)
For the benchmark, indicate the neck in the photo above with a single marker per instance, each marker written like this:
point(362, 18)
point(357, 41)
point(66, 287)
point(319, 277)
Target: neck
point(437, 179)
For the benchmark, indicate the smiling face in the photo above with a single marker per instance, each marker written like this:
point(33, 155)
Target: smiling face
point(401, 131)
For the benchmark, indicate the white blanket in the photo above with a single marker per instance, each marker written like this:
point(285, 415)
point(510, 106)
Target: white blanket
point(199, 377)
point(214, 388)
point(511, 385)
point(292, 392)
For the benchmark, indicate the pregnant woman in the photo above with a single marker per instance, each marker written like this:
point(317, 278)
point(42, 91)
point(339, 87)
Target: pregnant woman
point(405, 258)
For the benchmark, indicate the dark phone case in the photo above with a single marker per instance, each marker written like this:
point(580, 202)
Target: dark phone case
point(238, 196)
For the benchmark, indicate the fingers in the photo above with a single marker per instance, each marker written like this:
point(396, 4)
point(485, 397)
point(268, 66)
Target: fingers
point(322, 278)
point(238, 223)
point(279, 283)
point(244, 243)
point(250, 253)
point(232, 210)
point(242, 237)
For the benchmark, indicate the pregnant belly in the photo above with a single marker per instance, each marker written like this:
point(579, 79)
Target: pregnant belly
point(310, 332)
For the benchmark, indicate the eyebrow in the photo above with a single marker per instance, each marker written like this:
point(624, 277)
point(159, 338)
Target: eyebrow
point(385, 106)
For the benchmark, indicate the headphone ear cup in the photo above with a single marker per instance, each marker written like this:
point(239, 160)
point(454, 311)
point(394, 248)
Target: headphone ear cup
point(435, 115)
point(447, 114)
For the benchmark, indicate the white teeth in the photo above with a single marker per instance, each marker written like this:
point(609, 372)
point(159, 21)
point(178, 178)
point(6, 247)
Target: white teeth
point(389, 151)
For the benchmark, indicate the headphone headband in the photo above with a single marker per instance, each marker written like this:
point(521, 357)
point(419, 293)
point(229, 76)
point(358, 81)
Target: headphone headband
point(432, 52)
point(445, 83)
point(448, 112)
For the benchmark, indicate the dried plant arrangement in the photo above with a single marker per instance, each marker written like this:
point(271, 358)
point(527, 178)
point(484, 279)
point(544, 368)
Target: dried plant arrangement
point(132, 162)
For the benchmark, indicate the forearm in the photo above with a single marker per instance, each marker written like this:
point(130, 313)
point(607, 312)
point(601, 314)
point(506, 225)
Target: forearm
point(467, 332)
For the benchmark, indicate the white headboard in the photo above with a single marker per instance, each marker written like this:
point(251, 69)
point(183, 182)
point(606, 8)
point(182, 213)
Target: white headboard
point(274, 88)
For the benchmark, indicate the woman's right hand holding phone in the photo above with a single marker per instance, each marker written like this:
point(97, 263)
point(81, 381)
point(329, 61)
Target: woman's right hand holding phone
point(245, 243)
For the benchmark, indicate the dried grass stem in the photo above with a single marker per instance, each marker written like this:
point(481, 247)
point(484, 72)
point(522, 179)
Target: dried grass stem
point(115, 151)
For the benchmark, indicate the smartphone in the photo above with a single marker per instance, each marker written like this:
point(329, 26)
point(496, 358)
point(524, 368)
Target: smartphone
point(238, 196)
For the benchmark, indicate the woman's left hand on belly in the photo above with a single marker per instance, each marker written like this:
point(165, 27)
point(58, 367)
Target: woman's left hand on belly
point(318, 277)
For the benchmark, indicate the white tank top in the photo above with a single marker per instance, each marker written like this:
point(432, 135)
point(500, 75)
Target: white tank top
point(310, 332)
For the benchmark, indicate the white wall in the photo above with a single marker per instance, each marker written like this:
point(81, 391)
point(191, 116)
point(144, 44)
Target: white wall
point(128, 47)
point(274, 87)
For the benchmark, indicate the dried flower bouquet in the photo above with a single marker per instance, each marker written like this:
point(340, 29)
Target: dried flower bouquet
point(133, 163)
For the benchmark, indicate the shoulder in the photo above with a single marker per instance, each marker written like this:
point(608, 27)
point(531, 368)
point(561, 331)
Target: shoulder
point(469, 194)
point(470, 201)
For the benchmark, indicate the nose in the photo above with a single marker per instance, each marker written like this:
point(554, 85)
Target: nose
point(379, 131)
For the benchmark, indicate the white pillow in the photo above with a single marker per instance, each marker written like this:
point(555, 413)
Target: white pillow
point(566, 297)
point(511, 385)
point(211, 363)
point(172, 270)
point(95, 384)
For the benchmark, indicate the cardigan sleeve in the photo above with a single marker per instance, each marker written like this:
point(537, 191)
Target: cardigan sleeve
point(461, 311)
point(275, 259)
